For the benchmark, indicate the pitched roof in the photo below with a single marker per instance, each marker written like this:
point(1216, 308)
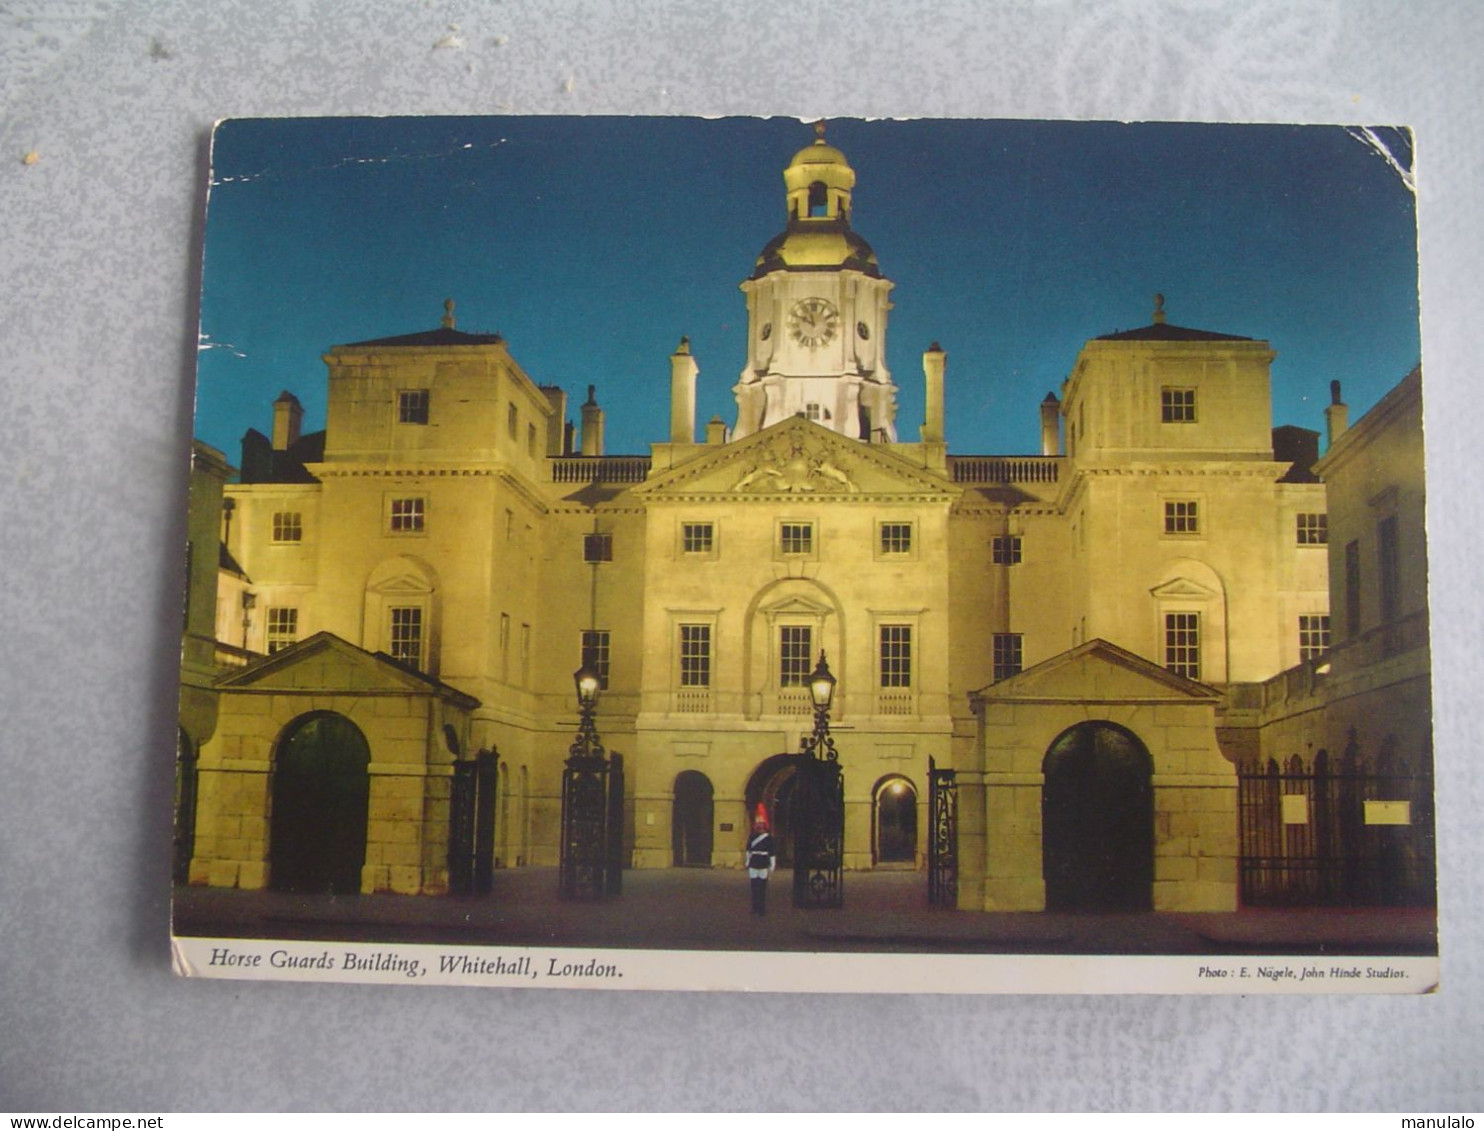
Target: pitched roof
point(262, 464)
point(443, 336)
point(1165, 332)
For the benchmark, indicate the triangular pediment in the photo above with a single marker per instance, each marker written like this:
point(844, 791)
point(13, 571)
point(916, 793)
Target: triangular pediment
point(1098, 672)
point(796, 606)
point(326, 663)
point(1182, 589)
point(402, 583)
point(795, 459)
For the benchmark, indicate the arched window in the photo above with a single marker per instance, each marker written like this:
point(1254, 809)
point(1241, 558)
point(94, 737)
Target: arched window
point(402, 612)
point(819, 200)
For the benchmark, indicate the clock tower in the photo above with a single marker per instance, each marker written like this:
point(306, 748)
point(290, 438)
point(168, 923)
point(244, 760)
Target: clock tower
point(816, 313)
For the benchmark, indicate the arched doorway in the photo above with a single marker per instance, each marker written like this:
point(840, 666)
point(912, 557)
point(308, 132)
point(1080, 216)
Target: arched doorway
point(321, 791)
point(692, 820)
point(1097, 821)
point(772, 786)
point(894, 820)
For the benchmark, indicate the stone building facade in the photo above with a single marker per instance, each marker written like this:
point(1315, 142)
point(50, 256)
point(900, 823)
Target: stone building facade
point(418, 582)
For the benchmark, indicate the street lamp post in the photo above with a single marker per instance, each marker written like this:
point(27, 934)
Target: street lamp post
point(586, 812)
point(819, 822)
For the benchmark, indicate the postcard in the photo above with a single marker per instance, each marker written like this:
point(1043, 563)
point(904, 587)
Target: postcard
point(954, 556)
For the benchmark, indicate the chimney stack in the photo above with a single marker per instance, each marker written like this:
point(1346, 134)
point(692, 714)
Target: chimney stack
point(288, 415)
point(933, 362)
point(1336, 415)
point(556, 423)
point(683, 370)
point(1051, 426)
point(716, 431)
point(592, 424)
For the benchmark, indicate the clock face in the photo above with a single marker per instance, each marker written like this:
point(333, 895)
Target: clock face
point(813, 321)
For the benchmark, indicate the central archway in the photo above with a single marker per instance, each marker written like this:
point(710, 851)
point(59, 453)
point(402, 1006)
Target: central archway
point(772, 786)
point(321, 794)
point(1097, 821)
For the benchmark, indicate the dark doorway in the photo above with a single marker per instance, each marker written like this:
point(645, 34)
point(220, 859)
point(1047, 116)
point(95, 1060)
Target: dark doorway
point(321, 791)
point(1097, 821)
point(772, 786)
point(896, 821)
point(692, 820)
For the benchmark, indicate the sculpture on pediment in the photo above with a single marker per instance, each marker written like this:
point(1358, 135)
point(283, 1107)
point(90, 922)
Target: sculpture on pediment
point(791, 464)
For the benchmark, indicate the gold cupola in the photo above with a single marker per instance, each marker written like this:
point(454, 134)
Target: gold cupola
point(818, 183)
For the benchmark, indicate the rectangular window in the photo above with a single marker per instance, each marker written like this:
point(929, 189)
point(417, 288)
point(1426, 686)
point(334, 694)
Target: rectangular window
point(896, 655)
point(595, 653)
point(283, 629)
point(1182, 516)
point(795, 644)
point(1177, 406)
point(412, 406)
point(288, 526)
point(896, 537)
point(1183, 644)
point(797, 537)
point(1388, 550)
point(811, 411)
point(1313, 529)
point(1007, 654)
point(525, 655)
point(695, 655)
point(406, 642)
point(407, 516)
point(1313, 636)
point(531, 439)
point(697, 537)
point(597, 547)
point(512, 419)
point(1006, 549)
point(1352, 590)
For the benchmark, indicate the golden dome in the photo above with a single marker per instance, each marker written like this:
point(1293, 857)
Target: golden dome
point(820, 153)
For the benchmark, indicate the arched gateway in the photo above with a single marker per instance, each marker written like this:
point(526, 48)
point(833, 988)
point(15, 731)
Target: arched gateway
point(1097, 821)
point(693, 819)
point(772, 786)
point(321, 792)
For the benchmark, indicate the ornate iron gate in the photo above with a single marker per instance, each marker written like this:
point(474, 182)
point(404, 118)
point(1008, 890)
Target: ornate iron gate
point(187, 777)
point(942, 836)
point(614, 882)
point(586, 847)
point(471, 824)
point(486, 785)
point(1335, 838)
point(819, 833)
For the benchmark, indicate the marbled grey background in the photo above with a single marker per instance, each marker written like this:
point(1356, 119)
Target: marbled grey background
point(99, 248)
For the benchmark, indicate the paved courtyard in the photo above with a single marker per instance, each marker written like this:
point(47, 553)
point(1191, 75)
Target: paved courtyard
point(698, 909)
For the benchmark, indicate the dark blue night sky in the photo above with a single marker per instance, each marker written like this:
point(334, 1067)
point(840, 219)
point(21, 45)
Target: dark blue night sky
point(593, 244)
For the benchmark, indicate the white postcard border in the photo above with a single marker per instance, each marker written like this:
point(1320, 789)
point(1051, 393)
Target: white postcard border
point(573, 968)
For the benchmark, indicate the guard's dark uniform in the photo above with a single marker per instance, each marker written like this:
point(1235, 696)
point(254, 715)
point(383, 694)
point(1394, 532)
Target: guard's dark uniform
point(760, 861)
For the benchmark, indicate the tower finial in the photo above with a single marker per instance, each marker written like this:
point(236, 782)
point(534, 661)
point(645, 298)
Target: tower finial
point(1159, 309)
point(448, 314)
point(819, 132)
